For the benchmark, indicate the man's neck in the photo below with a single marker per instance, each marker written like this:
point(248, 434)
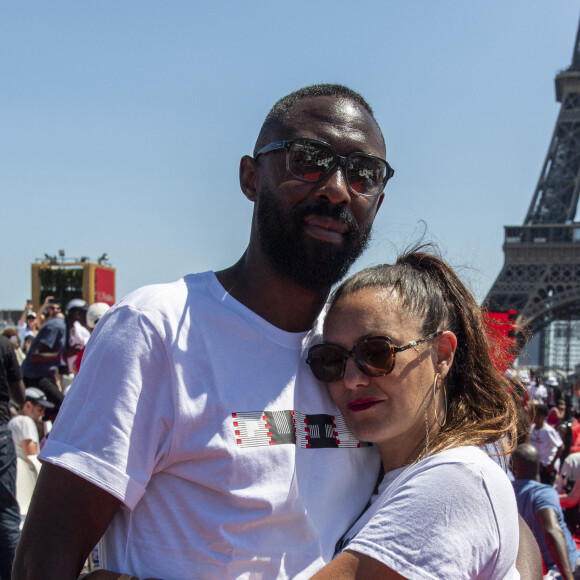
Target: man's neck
point(272, 296)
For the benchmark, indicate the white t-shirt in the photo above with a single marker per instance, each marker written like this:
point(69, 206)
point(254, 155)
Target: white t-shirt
point(547, 442)
point(23, 332)
point(229, 457)
point(22, 428)
point(451, 515)
point(570, 470)
point(539, 394)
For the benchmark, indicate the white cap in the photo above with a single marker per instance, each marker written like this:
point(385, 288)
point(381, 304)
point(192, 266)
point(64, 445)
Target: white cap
point(95, 312)
point(38, 397)
point(76, 303)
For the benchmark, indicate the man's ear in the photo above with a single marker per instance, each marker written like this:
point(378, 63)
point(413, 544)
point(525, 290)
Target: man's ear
point(446, 345)
point(249, 177)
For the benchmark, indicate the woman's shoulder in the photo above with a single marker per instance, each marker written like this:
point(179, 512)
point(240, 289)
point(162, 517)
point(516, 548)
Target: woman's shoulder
point(457, 469)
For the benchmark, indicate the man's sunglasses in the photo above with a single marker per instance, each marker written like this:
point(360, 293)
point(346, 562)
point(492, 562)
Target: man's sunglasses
point(374, 356)
point(312, 160)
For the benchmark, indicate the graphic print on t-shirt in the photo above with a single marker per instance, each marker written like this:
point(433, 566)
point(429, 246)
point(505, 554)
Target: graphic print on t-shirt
point(258, 428)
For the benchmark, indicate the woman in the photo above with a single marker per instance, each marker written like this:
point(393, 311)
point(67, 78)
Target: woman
point(406, 359)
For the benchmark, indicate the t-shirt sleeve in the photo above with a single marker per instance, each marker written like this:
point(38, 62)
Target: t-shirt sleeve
point(114, 428)
point(545, 497)
point(23, 429)
point(440, 523)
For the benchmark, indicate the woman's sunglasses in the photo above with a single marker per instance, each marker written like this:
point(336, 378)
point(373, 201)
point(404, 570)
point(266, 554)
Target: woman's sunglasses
point(312, 160)
point(374, 356)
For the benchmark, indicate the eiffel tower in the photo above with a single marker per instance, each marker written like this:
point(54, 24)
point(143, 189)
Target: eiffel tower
point(540, 278)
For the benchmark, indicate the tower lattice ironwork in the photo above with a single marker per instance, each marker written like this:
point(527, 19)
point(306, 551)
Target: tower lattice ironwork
point(540, 278)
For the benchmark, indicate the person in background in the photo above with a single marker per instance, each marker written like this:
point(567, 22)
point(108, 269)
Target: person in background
point(11, 387)
point(557, 413)
point(94, 313)
point(41, 365)
point(12, 335)
point(27, 324)
point(539, 505)
point(569, 491)
point(28, 340)
point(77, 332)
point(24, 426)
point(50, 309)
point(548, 443)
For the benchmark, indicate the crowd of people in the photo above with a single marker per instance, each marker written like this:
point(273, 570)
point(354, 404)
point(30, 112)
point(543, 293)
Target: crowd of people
point(242, 424)
point(40, 358)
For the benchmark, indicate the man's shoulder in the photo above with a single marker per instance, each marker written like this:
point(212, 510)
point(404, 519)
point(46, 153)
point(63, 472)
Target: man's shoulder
point(54, 324)
point(536, 490)
point(155, 296)
point(166, 303)
point(20, 421)
point(5, 344)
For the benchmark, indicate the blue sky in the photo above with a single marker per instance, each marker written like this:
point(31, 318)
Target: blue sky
point(122, 123)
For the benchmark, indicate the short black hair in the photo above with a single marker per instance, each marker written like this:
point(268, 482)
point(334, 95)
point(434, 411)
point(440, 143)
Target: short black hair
point(280, 112)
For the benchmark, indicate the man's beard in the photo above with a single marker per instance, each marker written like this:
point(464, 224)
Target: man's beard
point(311, 263)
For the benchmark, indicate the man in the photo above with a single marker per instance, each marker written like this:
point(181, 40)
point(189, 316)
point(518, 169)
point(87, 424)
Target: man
point(24, 425)
point(539, 505)
point(548, 443)
point(11, 387)
point(194, 433)
point(45, 356)
point(94, 313)
point(24, 429)
point(77, 331)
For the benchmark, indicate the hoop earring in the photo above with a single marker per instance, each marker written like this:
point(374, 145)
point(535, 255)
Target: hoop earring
point(437, 376)
point(426, 451)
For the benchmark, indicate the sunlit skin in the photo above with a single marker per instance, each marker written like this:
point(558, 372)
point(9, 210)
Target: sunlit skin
point(389, 410)
point(36, 412)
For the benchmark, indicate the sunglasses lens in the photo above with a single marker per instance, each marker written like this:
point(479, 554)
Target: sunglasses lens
point(365, 174)
point(326, 362)
point(310, 160)
point(375, 357)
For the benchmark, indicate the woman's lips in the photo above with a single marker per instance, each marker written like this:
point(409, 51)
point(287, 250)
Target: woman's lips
point(362, 404)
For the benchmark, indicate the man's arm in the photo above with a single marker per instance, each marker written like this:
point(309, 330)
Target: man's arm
point(43, 354)
point(555, 540)
point(66, 518)
point(354, 566)
point(550, 467)
point(573, 498)
point(17, 392)
point(29, 447)
point(22, 319)
point(529, 559)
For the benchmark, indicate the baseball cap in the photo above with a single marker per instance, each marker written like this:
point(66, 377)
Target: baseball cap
point(76, 303)
point(30, 314)
point(95, 312)
point(36, 396)
point(552, 382)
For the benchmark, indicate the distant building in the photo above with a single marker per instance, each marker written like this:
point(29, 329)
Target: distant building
point(68, 279)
